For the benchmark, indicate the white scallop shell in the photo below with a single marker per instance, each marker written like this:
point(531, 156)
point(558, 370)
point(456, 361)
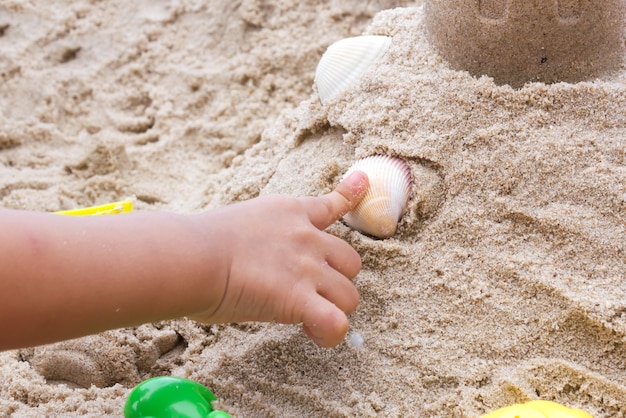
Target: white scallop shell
point(345, 61)
point(386, 199)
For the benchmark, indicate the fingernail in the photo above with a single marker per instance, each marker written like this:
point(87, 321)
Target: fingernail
point(358, 182)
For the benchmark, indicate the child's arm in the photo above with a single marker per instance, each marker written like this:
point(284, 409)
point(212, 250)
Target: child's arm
point(261, 260)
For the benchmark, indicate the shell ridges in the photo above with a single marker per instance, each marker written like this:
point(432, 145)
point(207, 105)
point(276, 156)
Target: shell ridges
point(386, 199)
point(345, 61)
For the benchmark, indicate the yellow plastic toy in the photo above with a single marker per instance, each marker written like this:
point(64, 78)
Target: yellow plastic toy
point(107, 209)
point(538, 409)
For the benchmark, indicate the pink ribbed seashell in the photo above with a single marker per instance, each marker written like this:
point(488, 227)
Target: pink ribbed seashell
point(386, 199)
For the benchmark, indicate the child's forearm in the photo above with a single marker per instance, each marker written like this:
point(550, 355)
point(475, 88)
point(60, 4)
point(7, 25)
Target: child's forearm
point(266, 259)
point(65, 277)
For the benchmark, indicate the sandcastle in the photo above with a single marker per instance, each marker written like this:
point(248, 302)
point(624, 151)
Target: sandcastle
point(517, 41)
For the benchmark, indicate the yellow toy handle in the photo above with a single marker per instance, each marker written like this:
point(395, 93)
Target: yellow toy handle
point(106, 209)
point(537, 409)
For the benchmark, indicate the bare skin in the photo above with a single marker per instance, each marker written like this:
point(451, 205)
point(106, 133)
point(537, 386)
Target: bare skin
point(266, 259)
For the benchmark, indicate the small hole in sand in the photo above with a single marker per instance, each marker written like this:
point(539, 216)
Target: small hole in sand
point(69, 54)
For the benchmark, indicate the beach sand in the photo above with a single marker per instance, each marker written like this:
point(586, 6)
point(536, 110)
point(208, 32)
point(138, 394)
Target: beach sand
point(506, 279)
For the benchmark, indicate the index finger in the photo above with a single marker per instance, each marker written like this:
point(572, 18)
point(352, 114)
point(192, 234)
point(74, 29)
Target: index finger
point(325, 210)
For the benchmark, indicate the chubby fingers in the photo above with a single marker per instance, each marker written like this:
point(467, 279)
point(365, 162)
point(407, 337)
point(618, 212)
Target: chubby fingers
point(324, 210)
point(324, 317)
point(323, 314)
point(342, 257)
point(324, 323)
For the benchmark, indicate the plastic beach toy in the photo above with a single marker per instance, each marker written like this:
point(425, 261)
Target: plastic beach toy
point(107, 209)
point(171, 397)
point(538, 409)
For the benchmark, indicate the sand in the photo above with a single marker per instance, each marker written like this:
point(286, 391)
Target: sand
point(505, 282)
point(517, 41)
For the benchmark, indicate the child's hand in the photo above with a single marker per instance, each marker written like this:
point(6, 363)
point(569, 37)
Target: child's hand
point(280, 265)
point(266, 259)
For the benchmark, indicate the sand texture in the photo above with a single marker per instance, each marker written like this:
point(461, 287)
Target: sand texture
point(506, 279)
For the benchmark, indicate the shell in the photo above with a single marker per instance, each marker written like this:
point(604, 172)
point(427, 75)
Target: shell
point(386, 199)
point(345, 61)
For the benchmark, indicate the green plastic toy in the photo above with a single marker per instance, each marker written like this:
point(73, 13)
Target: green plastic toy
point(171, 397)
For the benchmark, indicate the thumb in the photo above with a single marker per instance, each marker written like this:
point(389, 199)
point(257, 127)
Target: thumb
point(324, 210)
